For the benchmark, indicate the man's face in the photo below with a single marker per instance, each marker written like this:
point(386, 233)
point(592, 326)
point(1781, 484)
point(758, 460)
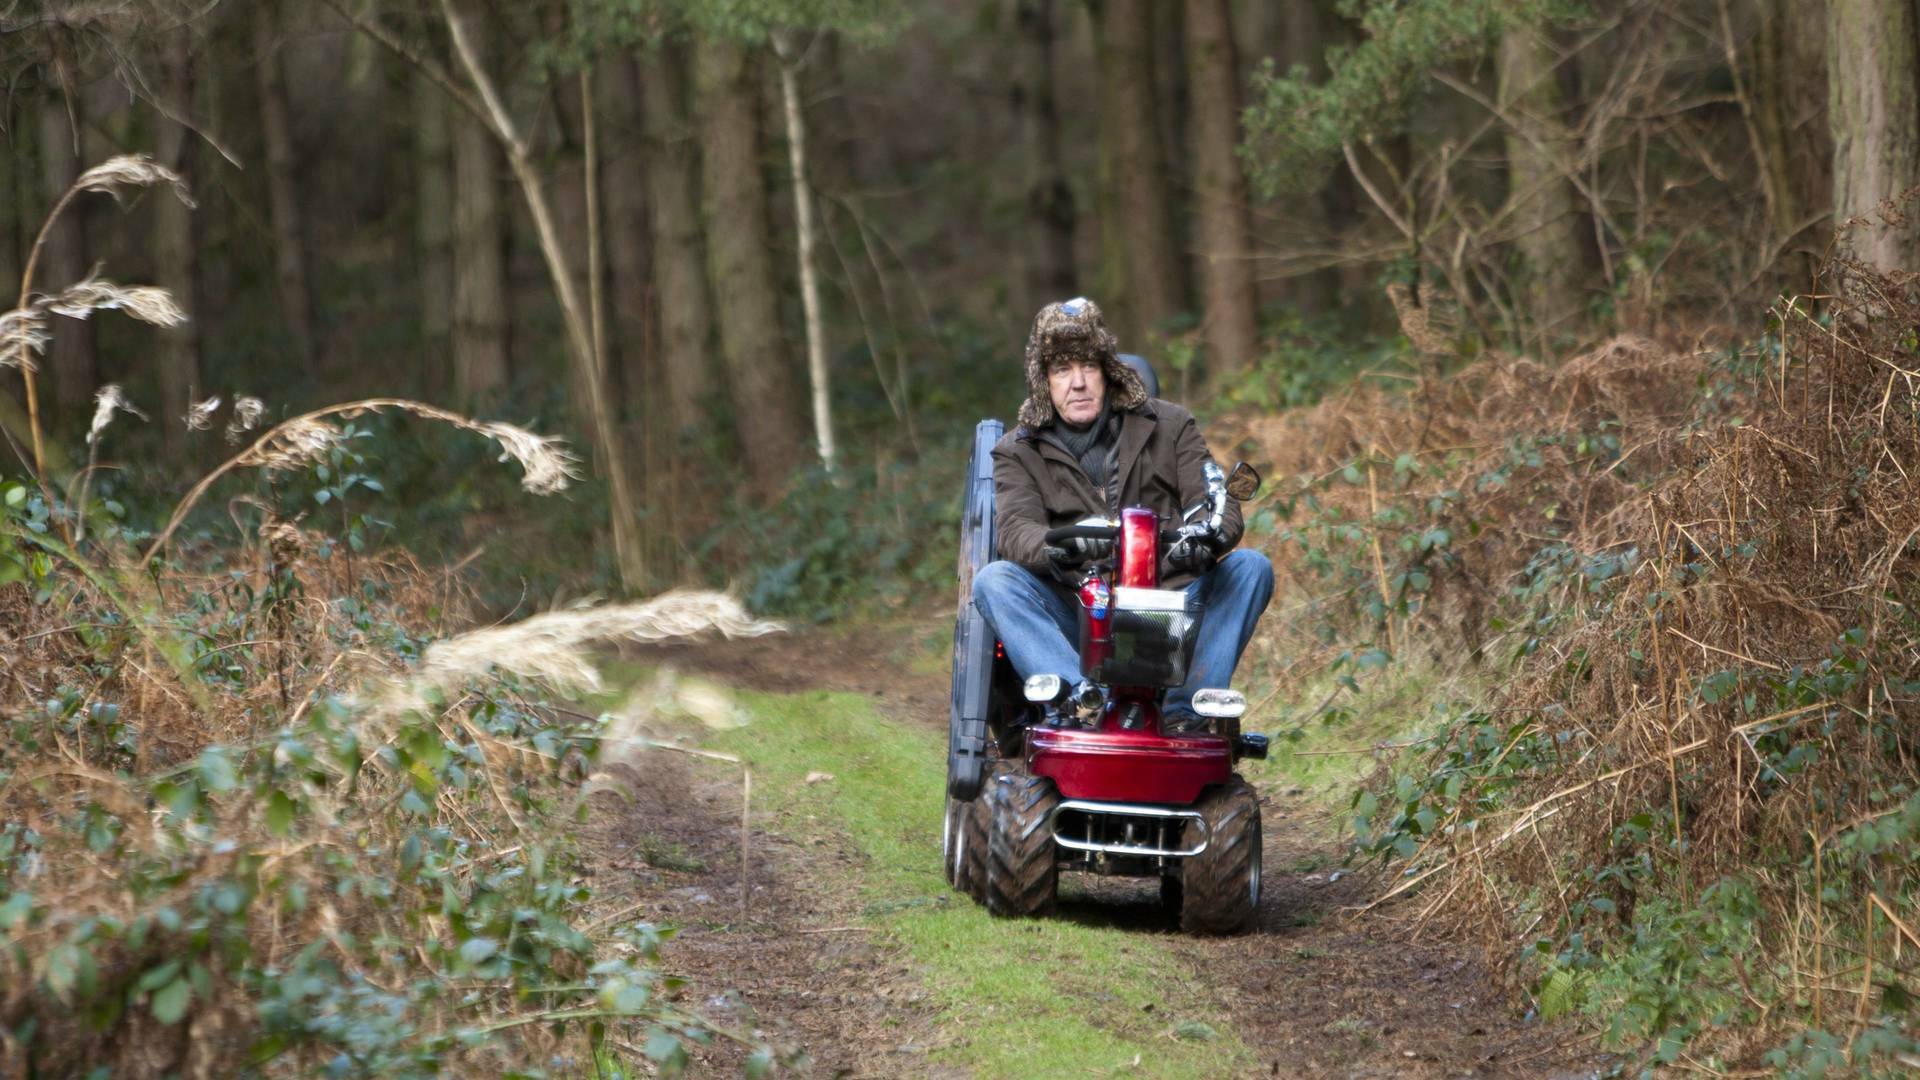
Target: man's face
point(1077, 388)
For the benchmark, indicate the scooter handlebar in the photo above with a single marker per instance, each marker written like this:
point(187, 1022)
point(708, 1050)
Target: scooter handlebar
point(1099, 532)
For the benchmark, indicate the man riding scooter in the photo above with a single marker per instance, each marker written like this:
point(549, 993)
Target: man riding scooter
point(1091, 442)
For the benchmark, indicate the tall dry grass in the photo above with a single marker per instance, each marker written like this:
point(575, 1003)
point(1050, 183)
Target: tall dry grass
point(1691, 746)
point(258, 815)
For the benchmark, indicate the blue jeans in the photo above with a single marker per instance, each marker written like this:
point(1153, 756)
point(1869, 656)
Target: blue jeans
point(1040, 625)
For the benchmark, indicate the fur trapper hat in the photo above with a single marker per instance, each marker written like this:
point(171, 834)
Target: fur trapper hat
point(1074, 329)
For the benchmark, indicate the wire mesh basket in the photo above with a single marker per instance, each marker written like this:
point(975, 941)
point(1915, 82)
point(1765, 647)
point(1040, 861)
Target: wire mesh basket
point(1151, 634)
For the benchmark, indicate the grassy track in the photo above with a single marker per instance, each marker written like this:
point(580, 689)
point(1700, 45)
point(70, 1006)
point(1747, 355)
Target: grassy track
point(1029, 999)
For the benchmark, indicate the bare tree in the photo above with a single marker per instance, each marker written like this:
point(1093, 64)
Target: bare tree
point(479, 96)
point(1220, 189)
point(1873, 105)
point(740, 261)
point(480, 369)
point(433, 187)
point(176, 254)
point(276, 130)
point(680, 276)
point(1050, 210)
point(1539, 194)
point(1134, 164)
point(1790, 91)
point(70, 359)
point(787, 49)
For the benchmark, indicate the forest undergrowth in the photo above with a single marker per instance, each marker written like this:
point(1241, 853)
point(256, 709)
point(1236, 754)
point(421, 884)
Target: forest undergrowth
point(1675, 789)
point(261, 816)
point(259, 813)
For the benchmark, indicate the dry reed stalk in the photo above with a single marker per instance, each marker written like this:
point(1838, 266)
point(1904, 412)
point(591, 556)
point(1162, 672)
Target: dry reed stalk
point(304, 439)
point(21, 339)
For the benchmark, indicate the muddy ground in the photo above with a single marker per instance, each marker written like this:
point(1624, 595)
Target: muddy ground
point(1319, 989)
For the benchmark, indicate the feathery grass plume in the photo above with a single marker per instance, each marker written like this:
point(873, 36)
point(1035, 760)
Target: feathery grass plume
point(294, 445)
point(247, 412)
point(23, 335)
point(105, 401)
point(116, 176)
point(554, 648)
point(549, 465)
point(199, 415)
point(148, 303)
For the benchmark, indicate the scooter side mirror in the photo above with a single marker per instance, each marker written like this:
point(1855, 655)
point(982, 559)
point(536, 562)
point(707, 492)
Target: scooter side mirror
point(1243, 482)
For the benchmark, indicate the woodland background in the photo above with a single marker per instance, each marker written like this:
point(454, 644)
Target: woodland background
point(1535, 174)
point(1576, 339)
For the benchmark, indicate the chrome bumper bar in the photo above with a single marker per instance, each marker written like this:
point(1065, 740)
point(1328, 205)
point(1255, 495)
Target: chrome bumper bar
point(1155, 813)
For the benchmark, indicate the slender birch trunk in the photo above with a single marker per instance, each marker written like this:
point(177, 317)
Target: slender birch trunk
point(788, 51)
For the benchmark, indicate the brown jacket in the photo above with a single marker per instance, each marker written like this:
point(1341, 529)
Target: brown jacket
point(1038, 486)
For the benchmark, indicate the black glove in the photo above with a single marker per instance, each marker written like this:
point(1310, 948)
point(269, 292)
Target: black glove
point(1077, 552)
point(1194, 547)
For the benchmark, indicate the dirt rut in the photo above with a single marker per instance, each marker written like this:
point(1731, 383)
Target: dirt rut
point(1317, 989)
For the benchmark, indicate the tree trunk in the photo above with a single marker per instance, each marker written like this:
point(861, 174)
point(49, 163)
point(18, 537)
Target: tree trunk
point(834, 138)
point(633, 304)
point(1300, 33)
point(433, 232)
point(1154, 264)
point(1050, 210)
point(1220, 190)
point(479, 258)
point(276, 130)
point(679, 264)
point(817, 378)
point(1790, 77)
point(1168, 33)
point(740, 263)
point(175, 254)
point(1874, 110)
point(586, 361)
point(1113, 277)
point(564, 163)
point(623, 189)
point(69, 359)
point(1544, 215)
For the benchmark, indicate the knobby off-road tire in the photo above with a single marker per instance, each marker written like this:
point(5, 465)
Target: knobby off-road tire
point(1022, 875)
point(1220, 887)
point(976, 821)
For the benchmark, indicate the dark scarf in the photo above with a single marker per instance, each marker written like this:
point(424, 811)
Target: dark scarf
point(1092, 446)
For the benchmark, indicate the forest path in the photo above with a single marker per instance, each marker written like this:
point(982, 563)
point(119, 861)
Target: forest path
point(852, 950)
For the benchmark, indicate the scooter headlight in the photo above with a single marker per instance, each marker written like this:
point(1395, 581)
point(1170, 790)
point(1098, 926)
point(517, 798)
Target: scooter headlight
point(1042, 689)
point(1220, 704)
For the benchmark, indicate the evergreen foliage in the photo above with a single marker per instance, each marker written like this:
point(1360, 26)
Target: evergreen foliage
point(1296, 125)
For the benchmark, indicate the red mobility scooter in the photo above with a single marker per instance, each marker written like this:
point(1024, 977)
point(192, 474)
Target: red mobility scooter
point(1115, 795)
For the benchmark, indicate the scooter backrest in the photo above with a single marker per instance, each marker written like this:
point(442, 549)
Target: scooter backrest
point(1144, 370)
